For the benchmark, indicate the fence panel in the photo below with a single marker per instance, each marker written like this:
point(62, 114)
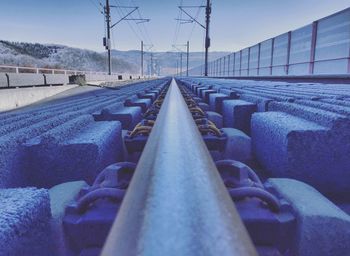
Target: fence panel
point(322, 47)
point(265, 57)
point(237, 63)
point(226, 59)
point(253, 60)
point(221, 63)
point(280, 55)
point(244, 65)
point(333, 44)
point(300, 51)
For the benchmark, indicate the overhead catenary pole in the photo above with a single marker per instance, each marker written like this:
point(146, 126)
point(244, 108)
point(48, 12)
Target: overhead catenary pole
point(141, 58)
point(151, 63)
point(177, 67)
point(146, 50)
point(206, 27)
point(175, 46)
point(108, 41)
point(207, 39)
point(180, 63)
point(187, 57)
point(107, 14)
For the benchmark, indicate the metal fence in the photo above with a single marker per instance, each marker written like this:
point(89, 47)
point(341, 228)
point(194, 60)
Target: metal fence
point(320, 48)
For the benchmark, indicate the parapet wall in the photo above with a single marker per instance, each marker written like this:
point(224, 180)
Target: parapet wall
point(24, 77)
point(14, 98)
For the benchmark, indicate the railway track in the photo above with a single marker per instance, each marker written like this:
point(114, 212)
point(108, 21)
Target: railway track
point(185, 166)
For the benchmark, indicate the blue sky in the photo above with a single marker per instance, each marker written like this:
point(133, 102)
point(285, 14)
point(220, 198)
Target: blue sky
point(235, 23)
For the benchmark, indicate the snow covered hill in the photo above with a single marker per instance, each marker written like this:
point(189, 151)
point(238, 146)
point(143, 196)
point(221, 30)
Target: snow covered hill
point(59, 56)
point(65, 57)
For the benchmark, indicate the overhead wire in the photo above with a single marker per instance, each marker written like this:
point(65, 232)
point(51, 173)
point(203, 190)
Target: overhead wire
point(144, 32)
point(196, 17)
point(178, 24)
point(142, 35)
point(121, 13)
point(96, 5)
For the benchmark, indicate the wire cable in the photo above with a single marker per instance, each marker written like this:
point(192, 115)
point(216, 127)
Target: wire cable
point(196, 17)
point(96, 5)
point(178, 25)
point(145, 33)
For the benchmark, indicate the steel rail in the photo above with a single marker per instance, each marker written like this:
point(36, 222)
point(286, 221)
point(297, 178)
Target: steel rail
point(176, 203)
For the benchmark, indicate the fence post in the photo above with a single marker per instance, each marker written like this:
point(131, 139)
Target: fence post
point(240, 63)
point(258, 67)
point(349, 61)
point(223, 73)
point(313, 47)
point(214, 68)
point(248, 67)
point(219, 65)
point(8, 79)
point(45, 81)
point(222, 66)
point(228, 65)
point(288, 51)
point(234, 64)
point(217, 68)
point(272, 50)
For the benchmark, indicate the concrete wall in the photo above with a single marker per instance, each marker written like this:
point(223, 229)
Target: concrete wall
point(3, 80)
point(26, 79)
point(98, 77)
point(14, 98)
point(56, 79)
point(107, 78)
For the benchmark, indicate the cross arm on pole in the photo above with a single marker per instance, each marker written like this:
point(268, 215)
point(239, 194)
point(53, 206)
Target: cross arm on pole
point(191, 17)
point(127, 15)
point(175, 46)
point(193, 6)
point(140, 20)
point(183, 21)
point(149, 47)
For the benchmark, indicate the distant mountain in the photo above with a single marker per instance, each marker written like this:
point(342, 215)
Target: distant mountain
point(165, 62)
point(64, 57)
point(59, 56)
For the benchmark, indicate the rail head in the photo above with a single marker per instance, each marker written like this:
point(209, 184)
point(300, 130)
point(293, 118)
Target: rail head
point(176, 203)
